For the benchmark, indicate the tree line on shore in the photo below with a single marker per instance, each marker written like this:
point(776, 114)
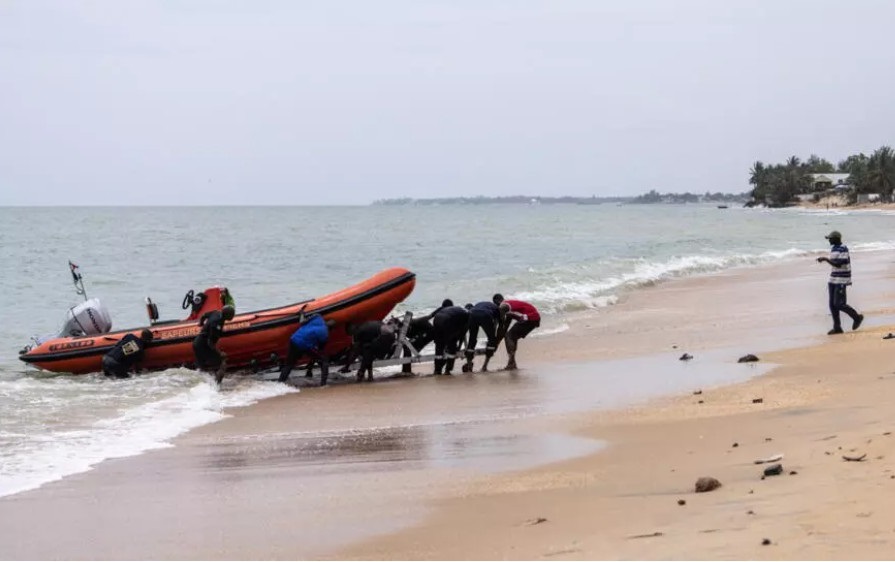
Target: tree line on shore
point(650, 197)
point(779, 185)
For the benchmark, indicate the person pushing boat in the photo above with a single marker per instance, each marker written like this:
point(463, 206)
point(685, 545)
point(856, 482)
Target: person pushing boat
point(126, 354)
point(526, 318)
point(449, 325)
point(484, 315)
point(205, 345)
point(370, 340)
point(309, 339)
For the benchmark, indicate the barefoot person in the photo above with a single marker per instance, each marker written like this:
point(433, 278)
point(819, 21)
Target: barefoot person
point(526, 318)
point(205, 346)
point(840, 278)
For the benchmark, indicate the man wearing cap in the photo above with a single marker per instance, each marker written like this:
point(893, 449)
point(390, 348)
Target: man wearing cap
point(840, 278)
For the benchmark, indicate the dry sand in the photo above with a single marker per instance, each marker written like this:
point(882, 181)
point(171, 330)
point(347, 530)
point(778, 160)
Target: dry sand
point(824, 402)
point(466, 467)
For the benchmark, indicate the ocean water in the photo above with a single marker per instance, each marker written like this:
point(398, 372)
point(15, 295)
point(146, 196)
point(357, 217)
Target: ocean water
point(562, 258)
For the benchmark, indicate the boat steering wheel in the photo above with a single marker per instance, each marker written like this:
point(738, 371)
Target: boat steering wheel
point(187, 300)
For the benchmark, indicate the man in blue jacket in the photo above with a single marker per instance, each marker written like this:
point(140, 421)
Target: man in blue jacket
point(840, 278)
point(309, 339)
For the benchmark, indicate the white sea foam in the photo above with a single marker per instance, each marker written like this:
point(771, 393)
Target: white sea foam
point(30, 460)
point(550, 330)
point(572, 290)
point(873, 246)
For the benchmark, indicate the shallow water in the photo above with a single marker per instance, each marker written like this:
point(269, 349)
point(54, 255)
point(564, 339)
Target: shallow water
point(562, 258)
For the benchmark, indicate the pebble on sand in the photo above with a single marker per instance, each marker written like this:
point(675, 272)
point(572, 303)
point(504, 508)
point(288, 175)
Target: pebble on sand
point(747, 359)
point(774, 470)
point(682, 502)
point(707, 484)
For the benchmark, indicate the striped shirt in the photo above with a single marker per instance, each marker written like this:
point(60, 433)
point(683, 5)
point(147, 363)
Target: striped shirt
point(841, 274)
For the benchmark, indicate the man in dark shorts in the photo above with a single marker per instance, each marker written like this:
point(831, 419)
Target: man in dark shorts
point(126, 354)
point(449, 327)
point(526, 317)
point(205, 346)
point(484, 315)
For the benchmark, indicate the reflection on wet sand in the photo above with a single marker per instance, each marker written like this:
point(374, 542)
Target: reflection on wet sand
point(300, 474)
point(471, 446)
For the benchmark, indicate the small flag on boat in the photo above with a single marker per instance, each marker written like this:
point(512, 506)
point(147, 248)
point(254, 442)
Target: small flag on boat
point(77, 280)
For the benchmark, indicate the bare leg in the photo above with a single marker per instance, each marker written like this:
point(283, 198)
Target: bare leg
point(511, 352)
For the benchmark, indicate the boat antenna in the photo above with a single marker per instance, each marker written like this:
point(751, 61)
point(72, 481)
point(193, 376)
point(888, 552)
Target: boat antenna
point(77, 280)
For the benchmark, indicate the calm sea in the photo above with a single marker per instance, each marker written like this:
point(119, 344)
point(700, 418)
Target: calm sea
point(561, 258)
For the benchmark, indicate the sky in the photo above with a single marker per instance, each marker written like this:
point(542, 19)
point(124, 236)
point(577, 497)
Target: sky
point(280, 102)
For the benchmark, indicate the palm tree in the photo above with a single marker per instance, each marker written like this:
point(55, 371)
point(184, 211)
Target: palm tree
point(881, 171)
point(757, 173)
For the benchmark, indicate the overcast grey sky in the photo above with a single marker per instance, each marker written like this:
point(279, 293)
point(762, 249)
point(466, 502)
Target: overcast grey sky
point(299, 102)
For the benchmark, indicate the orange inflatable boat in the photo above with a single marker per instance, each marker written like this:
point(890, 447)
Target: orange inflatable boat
point(251, 340)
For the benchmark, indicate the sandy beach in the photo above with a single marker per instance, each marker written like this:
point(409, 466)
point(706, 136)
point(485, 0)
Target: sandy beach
point(584, 453)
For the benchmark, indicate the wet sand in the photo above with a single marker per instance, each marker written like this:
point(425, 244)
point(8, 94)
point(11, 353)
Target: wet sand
point(402, 468)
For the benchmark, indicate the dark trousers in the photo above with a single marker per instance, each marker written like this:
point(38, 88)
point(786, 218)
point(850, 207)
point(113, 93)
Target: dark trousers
point(448, 340)
point(418, 342)
point(380, 348)
point(839, 302)
point(112, 368)
point(296, 353)
point(488, 325)
point(208, 358)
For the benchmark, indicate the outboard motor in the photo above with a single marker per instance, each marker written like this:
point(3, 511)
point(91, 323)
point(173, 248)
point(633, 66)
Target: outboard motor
point(88, 318)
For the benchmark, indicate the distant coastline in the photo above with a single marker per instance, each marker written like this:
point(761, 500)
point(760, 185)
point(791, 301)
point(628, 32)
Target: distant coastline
point(647, 198)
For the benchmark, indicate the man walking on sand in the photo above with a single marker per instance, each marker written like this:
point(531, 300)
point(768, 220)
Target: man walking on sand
point(840, 278)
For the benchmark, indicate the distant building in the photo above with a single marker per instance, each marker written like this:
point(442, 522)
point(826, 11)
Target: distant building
point(822, 182)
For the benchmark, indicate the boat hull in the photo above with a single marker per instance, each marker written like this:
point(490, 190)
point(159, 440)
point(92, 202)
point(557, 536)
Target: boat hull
point(249, 340)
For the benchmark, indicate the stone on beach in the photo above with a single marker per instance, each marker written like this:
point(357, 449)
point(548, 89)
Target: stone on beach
point(747, 359)
point(707, 484)
point(774, 470)
point(686, 357)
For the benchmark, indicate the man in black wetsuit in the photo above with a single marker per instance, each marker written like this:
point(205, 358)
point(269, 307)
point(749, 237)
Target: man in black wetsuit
point(420, 333)
point(205, 346)
point(126, 354)
point(370, 340)
point(449, 326)
point(484, 315)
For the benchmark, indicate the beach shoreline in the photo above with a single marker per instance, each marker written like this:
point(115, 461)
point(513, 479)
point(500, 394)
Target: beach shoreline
point(635, 500)
point(255, 451)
